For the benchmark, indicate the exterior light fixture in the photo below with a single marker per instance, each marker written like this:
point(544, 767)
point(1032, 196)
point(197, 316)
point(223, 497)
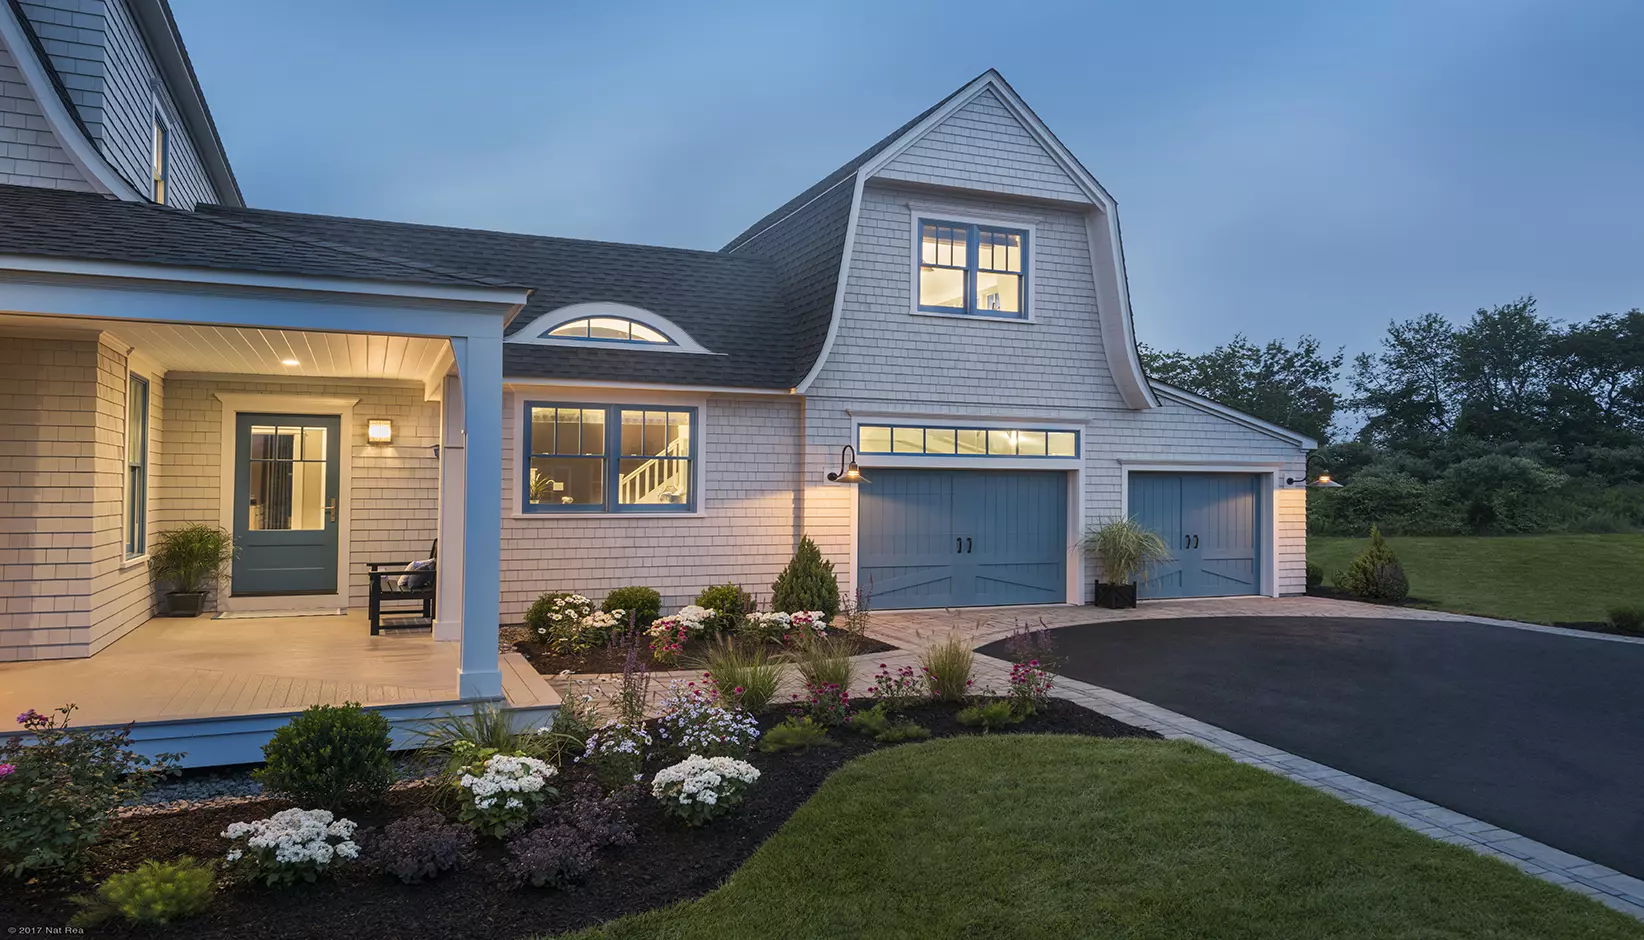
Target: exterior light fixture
point(1321, 482)
point(379, 431)
point(848, 472)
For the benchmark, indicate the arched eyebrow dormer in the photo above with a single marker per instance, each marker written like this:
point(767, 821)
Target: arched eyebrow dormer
point(617, 325)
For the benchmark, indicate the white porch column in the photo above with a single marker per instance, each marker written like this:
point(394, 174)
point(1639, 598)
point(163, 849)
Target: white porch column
point(453, 467)
point(479, 362)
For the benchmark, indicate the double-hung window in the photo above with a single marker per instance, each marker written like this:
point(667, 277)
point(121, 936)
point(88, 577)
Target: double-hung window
point(136, 466)
point(609, 458)
point(979, 270)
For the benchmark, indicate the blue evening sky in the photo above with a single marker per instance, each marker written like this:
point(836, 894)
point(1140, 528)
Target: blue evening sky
point(1280, 167)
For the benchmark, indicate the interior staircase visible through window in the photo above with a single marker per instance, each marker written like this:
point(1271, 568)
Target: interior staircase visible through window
point(664, 478)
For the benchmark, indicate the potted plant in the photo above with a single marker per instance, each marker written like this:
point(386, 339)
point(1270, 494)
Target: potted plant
point(193, 558)
point(1127, 551)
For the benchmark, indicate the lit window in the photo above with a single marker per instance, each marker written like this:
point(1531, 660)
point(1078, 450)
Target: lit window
point(966, 442)
point(610, 330)
point(161, 158)
point(972, 269)
point(609, 458)
point(136, 466)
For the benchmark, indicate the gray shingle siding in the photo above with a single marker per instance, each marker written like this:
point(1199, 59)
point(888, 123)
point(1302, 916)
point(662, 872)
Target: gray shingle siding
point(29, 152)
point(982, 146)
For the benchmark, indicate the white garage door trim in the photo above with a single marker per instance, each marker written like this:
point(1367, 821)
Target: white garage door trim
point(1272, 470)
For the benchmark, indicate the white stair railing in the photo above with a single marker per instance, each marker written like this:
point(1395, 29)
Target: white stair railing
point(650, 480)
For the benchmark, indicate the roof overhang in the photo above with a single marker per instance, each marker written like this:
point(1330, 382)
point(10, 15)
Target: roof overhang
point(1211, 406)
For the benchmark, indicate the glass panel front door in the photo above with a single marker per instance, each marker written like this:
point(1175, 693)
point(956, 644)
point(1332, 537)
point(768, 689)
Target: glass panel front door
point(286, 504)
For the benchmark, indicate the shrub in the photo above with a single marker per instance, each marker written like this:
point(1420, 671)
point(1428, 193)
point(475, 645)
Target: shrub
point(1029, 688)
point(670, 634)
point(828, 705)
point(826, 661)
point(880, 724)
point(799, 629)
point(989, 716)
point(555, 856)
point(616, 753)
point(292, 845)
point(692, 722)
point(565, 623)
point(642, 603)
point(900, 691)
point(602, 818)
point(1376, 574)
point(1315, 575)
point(1627, 619)
point(947, 666)
point(807, 583)
point(59, 793)
point(330, 756)
point(796, 733)
point(699, 789)
point(152, 893)
point(499, 793)
point(421, 846)
point(728, 602)
point(745, 675)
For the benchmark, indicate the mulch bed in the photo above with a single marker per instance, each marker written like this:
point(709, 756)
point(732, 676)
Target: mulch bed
point(670, 862)
point(612, 659)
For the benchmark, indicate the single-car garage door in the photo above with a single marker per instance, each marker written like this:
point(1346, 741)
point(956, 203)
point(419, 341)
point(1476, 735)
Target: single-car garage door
point(962, 538)
point(1210, 523)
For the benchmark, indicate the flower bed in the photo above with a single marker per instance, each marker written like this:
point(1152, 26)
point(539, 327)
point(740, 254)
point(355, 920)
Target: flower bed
point(669, 862)
point(610, 658)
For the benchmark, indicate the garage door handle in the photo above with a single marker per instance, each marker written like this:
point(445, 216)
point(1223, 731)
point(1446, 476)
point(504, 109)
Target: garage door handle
point(967, 546)
point(959, 545)
point(1195, 541)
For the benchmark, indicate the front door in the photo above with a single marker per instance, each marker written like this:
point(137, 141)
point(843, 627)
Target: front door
point(285, 504)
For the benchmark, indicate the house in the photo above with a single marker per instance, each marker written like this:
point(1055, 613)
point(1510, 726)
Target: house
point(950, 307)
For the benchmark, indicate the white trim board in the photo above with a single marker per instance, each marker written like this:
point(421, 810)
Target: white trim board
point(233, 404)
point(535, 333)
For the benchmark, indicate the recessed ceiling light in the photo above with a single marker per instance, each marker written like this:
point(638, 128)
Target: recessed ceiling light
point(289, 362)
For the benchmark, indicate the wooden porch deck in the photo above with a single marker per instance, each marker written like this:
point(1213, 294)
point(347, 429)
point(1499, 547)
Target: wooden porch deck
point(170, 670)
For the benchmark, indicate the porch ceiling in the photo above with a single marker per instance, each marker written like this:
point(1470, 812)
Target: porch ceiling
point(194, 347)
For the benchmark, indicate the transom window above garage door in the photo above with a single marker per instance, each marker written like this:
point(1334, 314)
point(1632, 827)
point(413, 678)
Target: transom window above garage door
point(951, 441)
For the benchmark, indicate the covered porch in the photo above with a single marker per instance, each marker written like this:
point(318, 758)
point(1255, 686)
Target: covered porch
point(327, 424)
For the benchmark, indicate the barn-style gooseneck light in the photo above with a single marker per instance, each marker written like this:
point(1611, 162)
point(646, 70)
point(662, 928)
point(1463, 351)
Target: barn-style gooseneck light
point(848, 472)
point(1322, 481)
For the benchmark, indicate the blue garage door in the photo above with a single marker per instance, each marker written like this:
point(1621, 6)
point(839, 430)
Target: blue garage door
point(1211, 523)
point(962, 538)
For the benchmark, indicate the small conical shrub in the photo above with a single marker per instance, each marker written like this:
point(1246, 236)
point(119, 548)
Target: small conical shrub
point(1376, 574)
point(808, 583)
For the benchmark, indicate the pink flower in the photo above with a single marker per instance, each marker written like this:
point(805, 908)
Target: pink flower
point(28, 716)
point(6, 770)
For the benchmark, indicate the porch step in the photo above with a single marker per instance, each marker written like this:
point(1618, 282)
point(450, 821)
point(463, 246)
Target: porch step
point(523, 686)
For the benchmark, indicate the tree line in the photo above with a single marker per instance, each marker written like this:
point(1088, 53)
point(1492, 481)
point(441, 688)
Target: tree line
point(1509, 423)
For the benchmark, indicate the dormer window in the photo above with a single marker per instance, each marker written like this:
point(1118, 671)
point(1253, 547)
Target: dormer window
point(610, 330)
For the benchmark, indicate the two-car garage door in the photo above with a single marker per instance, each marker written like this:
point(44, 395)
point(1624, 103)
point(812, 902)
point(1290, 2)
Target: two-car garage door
point(963, 538)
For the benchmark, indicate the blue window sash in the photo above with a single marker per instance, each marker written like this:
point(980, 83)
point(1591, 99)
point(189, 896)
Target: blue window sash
point(613, 458)
point(972, 262)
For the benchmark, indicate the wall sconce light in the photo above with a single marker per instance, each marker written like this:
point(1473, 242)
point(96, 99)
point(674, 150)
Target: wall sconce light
point(848, 472)
point(379, 431)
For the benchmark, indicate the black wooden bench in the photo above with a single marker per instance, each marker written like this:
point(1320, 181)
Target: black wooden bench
point(384, 577)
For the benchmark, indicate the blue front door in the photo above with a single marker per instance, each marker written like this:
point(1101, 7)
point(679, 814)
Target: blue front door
point(1210, 521)
point(286, 473)
point(962, 538)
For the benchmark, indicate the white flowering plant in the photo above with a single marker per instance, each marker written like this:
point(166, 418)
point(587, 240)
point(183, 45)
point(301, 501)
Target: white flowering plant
point(292, 845)
point(498, 794)
point(563, 622)
point(700, 789)
point(797, 628)
point(670, 634)
point(693, 722)
point(616, 752)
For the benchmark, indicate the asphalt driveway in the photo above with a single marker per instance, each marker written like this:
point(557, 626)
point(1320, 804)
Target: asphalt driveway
point(1539, 733)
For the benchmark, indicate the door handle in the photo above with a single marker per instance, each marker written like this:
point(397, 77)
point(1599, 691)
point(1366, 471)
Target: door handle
point(967, 545)
point(331, 510)
point(1187, 542)
point(959, 545)
point(1195, 541)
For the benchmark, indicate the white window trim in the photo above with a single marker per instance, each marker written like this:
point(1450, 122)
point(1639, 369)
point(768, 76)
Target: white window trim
point(141, 558)
point(515, 395)
point(938, 212)
point(535, 333)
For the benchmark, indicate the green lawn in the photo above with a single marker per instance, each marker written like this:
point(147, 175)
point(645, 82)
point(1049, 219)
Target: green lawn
point(1039, 836)
point(1539, 578)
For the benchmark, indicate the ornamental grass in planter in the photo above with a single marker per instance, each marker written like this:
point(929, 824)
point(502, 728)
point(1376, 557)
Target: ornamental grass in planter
point(1127, 551)
point(193, 558)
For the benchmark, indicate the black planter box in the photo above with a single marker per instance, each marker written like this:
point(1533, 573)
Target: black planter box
point(1115, 596)
point(179, 604)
